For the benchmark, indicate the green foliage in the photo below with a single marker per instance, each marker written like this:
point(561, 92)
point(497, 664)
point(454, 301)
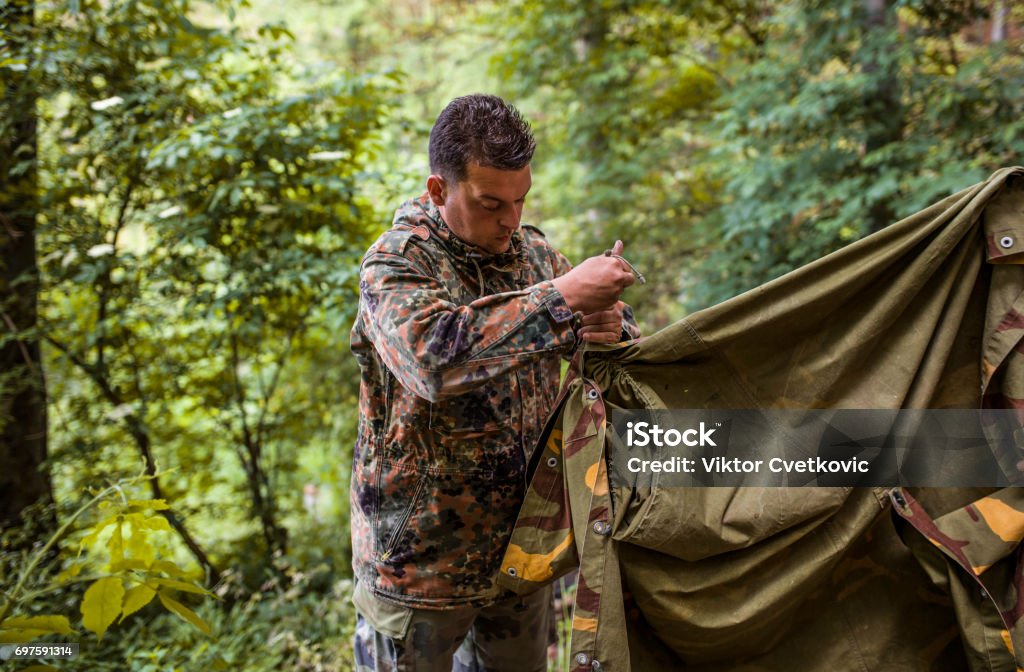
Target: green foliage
point(211, 172)
point(621, 90)
point(847, 122)
point(300, 621)
point(202, 223)
point(728, 143)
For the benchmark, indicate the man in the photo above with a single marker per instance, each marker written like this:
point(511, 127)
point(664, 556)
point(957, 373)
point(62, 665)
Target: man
point(463, 317)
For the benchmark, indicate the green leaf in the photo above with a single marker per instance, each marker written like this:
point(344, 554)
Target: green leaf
point(183, 611)
point(102, 604)
point(49, 624)
point(136, 599)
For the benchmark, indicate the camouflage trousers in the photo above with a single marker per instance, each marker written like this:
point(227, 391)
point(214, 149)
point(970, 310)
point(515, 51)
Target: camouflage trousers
point(510, 635)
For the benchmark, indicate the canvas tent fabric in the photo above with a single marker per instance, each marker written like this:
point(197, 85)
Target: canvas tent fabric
point(927, 313)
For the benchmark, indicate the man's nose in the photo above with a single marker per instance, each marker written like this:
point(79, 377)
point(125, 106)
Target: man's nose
point(509, 220)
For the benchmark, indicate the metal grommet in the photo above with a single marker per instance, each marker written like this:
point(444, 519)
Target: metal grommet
point(984, 594)
point(1006, 242)
point(898, 499)
point(595, 664)
point(552, 462)
point(592, 394)
point(601, 527)
point(582, 659)
point(511, 571)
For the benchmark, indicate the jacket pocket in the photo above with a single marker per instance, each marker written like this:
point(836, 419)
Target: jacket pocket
point(485, 408)
point(475, 431)
point(441, 532)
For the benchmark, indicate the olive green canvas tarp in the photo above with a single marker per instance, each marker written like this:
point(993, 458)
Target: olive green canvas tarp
point(928, 313)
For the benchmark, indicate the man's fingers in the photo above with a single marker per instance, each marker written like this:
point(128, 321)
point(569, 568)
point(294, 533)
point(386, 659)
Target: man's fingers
point(602, 329)
point(617, 248)
point(604, 326)
point(610, 315)
point(602, 336)
point(601, 317)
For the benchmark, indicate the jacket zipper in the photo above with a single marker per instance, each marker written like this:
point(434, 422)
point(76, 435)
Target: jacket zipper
point(403, 522)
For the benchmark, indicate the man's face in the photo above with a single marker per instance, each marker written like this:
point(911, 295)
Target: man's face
point(484, 210)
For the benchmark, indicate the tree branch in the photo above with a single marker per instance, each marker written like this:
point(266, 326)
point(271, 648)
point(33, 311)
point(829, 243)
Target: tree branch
point(103, 291)
point(137, 430)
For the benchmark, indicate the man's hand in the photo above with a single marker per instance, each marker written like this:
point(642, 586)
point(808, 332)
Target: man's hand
point(603, 326)
point(595, 284)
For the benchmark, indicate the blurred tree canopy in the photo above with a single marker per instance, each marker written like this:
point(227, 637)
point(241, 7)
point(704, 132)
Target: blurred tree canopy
point(728, 143)
point(851, 117)
point(201, 224)
point(188, 187)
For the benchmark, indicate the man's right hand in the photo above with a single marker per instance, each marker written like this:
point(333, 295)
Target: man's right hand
point(596, 283)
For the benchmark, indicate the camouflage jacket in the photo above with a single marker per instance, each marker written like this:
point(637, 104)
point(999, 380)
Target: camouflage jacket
point(928, 313)
point(459, 354)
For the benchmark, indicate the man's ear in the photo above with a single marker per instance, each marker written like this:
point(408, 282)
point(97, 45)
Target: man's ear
point(437, 188)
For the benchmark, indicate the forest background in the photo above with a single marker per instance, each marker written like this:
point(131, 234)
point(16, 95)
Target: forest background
point(186, 189)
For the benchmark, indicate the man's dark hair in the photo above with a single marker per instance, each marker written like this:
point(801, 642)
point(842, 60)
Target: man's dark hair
point(482, 129)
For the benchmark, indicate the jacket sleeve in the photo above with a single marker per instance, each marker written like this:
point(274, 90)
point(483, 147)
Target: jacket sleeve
point(437, 348)
point(630, 329)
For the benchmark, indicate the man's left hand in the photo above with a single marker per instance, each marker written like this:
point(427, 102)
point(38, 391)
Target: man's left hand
point(603, 326)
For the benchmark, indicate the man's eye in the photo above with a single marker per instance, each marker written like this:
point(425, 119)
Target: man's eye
point(492, 208)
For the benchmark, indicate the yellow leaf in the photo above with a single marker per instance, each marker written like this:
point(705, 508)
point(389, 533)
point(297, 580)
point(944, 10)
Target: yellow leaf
point(58, 624)
point(136, 599)
point(180, 585)
point(154, 523)
point(70, 572)
point(116, 544)
point(20, 636)
point(102, 604)
point(183, 611)
point(154, 504)
point(129, 563)
point(39, 668)
point(168, 567)
point(91, 538)
point(138, 547)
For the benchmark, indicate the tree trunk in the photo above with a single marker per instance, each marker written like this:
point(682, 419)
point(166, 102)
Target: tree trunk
point(999, 21)
point(23, 482)
point(884, 110)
